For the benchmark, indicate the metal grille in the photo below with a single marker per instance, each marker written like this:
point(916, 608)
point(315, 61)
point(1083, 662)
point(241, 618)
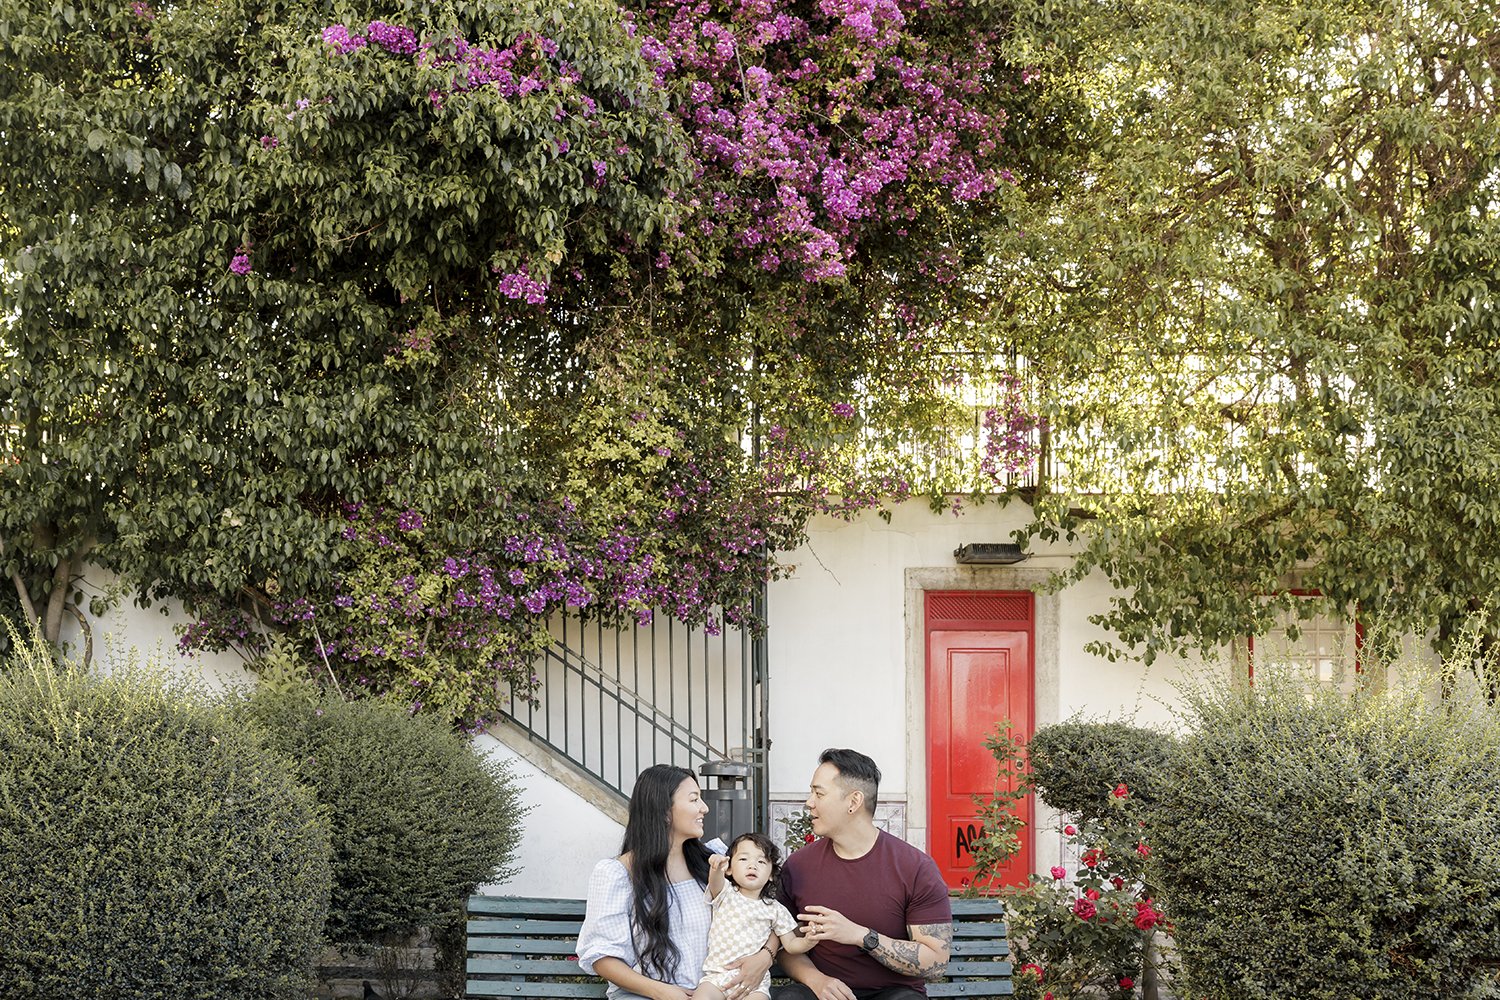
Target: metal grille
point(613, 701)
point(978, 606)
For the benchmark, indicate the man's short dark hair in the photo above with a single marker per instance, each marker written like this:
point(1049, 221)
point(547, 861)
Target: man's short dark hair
point(856, 771)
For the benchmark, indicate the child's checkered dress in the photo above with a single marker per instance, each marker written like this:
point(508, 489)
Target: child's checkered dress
point(741, 926)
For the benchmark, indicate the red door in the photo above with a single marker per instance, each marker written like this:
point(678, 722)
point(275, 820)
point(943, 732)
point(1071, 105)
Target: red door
point(979, 672)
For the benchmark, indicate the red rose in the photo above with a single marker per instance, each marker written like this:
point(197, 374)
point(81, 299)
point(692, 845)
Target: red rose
point(1058, 871)
point(1034, 969)
point(1070, 830)
point(1118, 881)
point(1126, 982)
point(1092, 857)
point(1084, 909)
point(1092, 893)
point(1121, 791)
point(1143, 849)
point(807, 838)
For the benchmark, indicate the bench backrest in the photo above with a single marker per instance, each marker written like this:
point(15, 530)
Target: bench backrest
point(526, 947)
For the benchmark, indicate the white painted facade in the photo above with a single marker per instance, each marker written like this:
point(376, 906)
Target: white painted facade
point(846, 656)
point(847, 651)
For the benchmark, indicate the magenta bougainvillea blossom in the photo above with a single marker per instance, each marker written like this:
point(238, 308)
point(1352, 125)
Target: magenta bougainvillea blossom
point(806, 122)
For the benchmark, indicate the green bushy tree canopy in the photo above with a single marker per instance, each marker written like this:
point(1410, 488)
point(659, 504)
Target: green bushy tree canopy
point(1258, 284)
point(418, 820)
point(1308, 844)
point(369, 322)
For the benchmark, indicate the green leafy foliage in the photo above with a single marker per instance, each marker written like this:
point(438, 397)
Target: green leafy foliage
point(1089, 934)
point(247, 281)
point(150, 846)
point(274, 262)
point(1256, 279)
point(1317, 846)
point(1077, 765)
point(418, 819)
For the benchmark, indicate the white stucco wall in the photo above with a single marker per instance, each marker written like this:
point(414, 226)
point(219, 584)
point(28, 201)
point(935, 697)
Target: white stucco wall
point(149, 632)
point(844, 670)
point(846, 661)
point(563, 834)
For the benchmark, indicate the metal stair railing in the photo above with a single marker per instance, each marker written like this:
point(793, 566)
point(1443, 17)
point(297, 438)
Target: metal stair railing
point(612, 701)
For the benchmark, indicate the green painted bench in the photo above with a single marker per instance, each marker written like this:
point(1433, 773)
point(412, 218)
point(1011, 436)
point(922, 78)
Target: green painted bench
point(520, 947)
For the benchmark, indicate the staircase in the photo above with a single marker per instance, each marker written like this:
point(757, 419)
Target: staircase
point(611, 702)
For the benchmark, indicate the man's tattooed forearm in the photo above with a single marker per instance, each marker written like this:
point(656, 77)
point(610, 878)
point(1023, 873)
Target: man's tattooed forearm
point(900, 956)
point(943, 935)
point(906, 956)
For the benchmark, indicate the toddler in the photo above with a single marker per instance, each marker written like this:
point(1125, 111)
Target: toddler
point(746, 915)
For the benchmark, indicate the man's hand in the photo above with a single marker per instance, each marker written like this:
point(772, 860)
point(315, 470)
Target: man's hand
point(830, 989)
point(752, 968)
point(822, 924)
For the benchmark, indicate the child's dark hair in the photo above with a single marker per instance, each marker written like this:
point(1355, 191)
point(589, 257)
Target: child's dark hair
point(773, 855)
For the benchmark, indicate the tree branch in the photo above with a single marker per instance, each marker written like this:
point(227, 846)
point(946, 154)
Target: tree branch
point(27, 607)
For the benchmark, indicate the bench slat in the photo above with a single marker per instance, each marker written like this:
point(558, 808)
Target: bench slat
point(545, 967)
point(549, 928)
point(500, 988)
point(526, 906)
point(522, 946)
point(978, 906)
point(980, 946)
point(987, 970)
point(972, 988)
point(978, 928)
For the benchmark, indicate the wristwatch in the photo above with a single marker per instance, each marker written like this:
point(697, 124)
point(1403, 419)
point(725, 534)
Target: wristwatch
point(871, 940)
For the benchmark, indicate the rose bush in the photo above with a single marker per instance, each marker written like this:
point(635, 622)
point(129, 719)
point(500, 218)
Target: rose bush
point(1090, 934)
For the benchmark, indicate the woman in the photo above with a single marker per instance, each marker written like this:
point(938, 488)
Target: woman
point(646, 927)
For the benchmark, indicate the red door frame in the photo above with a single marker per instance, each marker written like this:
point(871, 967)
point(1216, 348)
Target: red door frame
point(977, 611)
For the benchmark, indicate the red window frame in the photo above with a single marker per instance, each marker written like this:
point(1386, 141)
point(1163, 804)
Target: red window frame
point(1359, 634)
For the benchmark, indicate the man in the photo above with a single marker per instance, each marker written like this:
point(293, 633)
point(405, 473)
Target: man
point(877, 906)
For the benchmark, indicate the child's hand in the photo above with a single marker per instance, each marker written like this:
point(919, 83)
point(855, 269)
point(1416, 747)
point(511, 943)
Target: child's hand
point(718, 863)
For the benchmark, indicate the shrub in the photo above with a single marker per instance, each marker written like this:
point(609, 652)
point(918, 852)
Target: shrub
point(419, 820)
point(1087, 936)
point(1076, 764)
point(1311, 845)
point(150, 847)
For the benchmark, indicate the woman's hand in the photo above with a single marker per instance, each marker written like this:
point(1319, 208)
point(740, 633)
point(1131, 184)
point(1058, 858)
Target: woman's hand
point(670, 992)
point(752, 969)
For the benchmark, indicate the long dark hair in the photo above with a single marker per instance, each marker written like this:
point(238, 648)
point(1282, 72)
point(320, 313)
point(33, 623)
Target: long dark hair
point(648, 841)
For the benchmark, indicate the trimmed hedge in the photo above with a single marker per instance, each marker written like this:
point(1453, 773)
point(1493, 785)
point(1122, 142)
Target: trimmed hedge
point(150, 847)
point(1315, 846)
point(419, 819)
point(1077, 764)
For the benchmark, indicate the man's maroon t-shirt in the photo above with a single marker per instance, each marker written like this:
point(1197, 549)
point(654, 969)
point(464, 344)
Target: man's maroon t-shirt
point(893, 886)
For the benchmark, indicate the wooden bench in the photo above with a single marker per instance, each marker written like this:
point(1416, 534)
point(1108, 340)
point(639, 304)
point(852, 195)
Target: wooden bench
point(520, 947)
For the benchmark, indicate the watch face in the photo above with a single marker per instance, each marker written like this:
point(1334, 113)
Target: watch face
point(871, 941)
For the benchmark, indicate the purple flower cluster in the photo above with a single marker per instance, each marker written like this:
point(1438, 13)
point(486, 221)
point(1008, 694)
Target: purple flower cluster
point(836, 114)
point(519, 284)
point(1009, 429)
point(528, 65)
point(240, 264)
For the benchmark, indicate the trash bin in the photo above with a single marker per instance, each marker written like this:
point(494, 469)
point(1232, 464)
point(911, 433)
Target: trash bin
point(729, 807)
